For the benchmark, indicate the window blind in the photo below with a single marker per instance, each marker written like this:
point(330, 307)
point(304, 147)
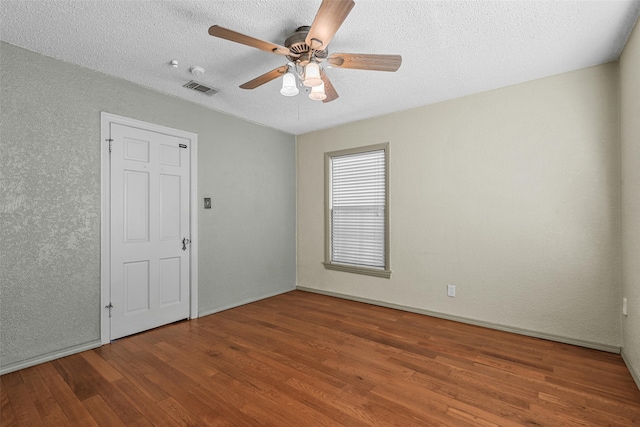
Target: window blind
point(358, 198)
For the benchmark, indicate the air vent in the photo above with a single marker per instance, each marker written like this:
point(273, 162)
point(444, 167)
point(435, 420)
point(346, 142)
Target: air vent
point(199, 87)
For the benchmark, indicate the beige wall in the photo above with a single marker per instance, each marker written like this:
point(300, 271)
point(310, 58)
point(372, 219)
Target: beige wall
point(512, 195)
point(630, 137)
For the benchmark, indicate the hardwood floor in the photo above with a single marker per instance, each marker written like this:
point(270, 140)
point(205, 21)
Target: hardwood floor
point(302, 359)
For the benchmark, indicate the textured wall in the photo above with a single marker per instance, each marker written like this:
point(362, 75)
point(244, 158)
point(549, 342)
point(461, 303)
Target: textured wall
point(512, 195)
point(630, 137)
point(50, 206)
point(50, 211)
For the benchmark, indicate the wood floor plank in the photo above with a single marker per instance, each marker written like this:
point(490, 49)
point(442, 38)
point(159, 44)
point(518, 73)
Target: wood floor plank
point(179, 414)
point(23, 409)
point(69, 402)
point(343, 408)
point(76, 381)
point(579, 410)
point(430, 405)
point(260, 380)
point(7, 417)
point(137, 374)
point(107, 391)
point(227, 402)
point(302, 359)
point(101, 412)
point(47, 406)
point(102, 366)
point(143, 403)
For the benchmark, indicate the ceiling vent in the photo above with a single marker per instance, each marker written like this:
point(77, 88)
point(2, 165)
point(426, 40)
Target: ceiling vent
point(199, 87)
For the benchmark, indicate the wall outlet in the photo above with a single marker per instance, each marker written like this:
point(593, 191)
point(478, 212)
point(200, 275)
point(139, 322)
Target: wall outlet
point(624, 306)
point(451, 290)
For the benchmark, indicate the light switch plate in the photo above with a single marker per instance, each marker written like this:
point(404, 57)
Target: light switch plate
point(207, 202)
point(451, 290)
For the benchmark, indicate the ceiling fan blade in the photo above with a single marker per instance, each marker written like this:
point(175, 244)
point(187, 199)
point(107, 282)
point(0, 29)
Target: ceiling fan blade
point(265, 78)
point(330, 16)
point(329, 90)
point(224, 33)
point(359, 61)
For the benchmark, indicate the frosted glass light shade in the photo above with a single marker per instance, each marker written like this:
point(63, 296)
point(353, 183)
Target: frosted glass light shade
point(312, 75)
point(289, 87)
point(317, 93)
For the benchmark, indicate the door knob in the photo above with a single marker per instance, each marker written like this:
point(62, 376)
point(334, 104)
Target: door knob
point(185, 242)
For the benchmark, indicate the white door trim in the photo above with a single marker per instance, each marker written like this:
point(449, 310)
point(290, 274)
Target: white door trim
point(105, 217)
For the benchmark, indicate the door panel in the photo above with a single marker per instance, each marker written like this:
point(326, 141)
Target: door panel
point(170, 207)
point(136, 287)
point(136, 206)
point(169, 278)
point(169, 156)
point(136, 150)
point(149, 220)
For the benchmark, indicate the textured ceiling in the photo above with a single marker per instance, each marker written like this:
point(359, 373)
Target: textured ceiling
point(449, 48)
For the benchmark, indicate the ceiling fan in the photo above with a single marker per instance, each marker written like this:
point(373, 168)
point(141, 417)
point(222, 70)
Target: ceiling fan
point(306, 50)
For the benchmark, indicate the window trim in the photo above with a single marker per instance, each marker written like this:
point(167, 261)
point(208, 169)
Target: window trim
point(386, 272)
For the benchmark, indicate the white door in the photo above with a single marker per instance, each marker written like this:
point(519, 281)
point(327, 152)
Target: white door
point(149, 229)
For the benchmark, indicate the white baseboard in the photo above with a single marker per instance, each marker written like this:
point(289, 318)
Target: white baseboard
point(635, 374)
point(519, 331)
point(203, 313)
point(97, 343)
point(49, 357)
point(12, 367)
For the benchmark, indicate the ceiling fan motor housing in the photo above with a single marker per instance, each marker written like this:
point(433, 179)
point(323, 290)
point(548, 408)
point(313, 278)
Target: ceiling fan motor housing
point(297, 44)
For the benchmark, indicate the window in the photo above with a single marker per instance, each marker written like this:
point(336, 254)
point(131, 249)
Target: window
point(357, 210)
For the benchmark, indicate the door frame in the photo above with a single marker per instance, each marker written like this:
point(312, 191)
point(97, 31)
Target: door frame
point(106, 119)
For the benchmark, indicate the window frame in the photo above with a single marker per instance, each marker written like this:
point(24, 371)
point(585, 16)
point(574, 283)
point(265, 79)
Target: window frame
point(328, 264)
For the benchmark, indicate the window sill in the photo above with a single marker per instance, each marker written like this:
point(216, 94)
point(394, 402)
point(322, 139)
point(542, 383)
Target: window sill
point(386, 274)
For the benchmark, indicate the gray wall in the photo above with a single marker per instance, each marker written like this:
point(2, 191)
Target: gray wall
point(630, 137)
point(50, 201)
point(512, 195)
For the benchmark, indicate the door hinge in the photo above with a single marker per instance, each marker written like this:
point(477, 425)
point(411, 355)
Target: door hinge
point(110, 146)
point(110, 306)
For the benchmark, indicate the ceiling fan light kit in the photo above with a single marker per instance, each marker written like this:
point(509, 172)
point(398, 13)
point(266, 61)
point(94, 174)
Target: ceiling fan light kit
point(306, 50)
point(289, 86)
point(312, 75)
point(317, 93)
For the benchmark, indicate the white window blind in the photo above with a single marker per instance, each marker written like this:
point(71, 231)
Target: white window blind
point(358, 198)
